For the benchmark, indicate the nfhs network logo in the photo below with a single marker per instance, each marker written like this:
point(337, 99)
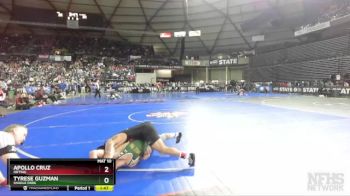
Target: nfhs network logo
point(326, 182)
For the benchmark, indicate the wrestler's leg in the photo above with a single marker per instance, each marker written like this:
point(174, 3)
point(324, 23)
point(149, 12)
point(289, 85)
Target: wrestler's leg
point(162, 148)
point(166, 136)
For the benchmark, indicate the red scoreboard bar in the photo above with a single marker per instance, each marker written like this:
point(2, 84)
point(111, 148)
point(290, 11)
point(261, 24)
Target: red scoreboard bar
point(61, 174)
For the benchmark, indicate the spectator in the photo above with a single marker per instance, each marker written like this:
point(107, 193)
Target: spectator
point(22, 101)
point(2, 95)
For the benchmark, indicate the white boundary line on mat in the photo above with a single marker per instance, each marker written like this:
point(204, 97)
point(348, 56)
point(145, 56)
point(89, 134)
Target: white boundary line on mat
point(47, 117)
point(27, 154)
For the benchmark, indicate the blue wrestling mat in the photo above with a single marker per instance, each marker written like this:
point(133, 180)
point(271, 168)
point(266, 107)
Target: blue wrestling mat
point(206, 120)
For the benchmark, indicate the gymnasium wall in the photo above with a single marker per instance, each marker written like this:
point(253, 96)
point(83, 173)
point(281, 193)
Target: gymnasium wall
point(216, 73)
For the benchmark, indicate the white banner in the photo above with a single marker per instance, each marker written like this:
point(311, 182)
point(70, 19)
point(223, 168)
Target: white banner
point(196, 33)
point(134, 57)
point(180, 34)
point(258, 38)
point(67, 58)
point(223, 62)
point(192, 63)
point(309, 29)
point(159, 66)
point(340, 90)
point(59, 58)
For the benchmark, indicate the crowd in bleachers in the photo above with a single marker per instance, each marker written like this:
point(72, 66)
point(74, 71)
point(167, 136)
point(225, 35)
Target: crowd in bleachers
point(81, 47)
point(40, 44)
point(200, 86)
point(29, 77)
point(116, 72)
point(28, 74)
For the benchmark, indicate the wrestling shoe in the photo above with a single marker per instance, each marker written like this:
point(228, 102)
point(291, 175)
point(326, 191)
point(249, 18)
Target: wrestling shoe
point(178, 137)
point(191, 160)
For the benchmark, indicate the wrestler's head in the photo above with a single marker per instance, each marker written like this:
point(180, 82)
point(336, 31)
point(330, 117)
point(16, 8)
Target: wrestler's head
point(19, 132)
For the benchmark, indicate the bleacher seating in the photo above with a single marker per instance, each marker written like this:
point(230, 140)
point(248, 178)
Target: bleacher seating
point(306, 70)
point(311, 51)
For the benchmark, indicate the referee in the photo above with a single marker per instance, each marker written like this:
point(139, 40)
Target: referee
point(97, 89)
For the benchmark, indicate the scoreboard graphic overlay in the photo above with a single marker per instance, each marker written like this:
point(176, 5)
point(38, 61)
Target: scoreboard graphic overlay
point(61, 174)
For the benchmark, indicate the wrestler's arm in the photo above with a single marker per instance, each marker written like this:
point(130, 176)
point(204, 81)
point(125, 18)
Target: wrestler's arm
point(120, 163)
point(9, 156)
point(147, 153)
point(4, 158)
point(113, 143)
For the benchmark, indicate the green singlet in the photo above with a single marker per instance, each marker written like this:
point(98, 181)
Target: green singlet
point(135, 148)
